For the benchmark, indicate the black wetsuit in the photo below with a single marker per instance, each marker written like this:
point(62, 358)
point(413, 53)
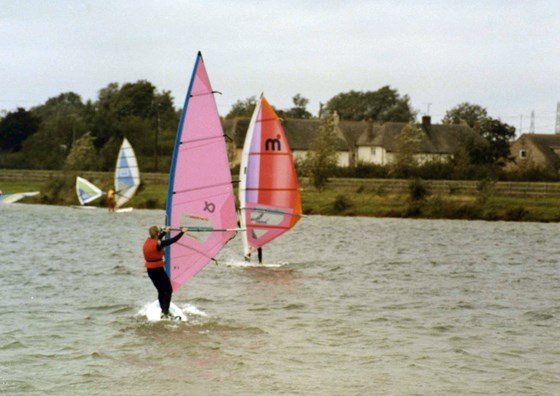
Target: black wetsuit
point(159, 276)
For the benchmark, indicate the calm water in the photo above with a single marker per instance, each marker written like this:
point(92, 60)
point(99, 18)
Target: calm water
point(346, 306)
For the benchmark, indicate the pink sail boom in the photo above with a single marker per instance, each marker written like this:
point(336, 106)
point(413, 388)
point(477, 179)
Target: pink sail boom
point(200, 192)
point(268, 192)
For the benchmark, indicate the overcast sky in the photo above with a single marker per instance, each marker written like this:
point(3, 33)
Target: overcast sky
point(502, 55)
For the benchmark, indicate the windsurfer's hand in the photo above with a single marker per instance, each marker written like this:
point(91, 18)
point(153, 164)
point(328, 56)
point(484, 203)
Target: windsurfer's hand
point(168, 229)
point(184, 229)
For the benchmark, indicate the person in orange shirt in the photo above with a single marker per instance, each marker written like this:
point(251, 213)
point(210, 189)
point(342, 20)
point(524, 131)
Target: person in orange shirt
point(111, 200)
point(153, 255)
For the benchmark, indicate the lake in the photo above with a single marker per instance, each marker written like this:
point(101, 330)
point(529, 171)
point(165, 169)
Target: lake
point(342, 306)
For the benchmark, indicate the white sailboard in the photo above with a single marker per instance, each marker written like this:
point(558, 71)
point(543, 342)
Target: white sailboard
point(153, 312)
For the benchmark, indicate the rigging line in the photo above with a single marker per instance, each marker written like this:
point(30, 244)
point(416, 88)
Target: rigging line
point(219, 194)
point(203, 253)
point(272, 211)
point(207, 229)
point(123, 179)
point(269, 189)
point(198, 200)
point(197, 251)
point(265, 153)
point(269, 226)
point(266, 119)
point(201, 139)
point(205, 93)
point(202, 188)
point(126, 157)
point(125, 167)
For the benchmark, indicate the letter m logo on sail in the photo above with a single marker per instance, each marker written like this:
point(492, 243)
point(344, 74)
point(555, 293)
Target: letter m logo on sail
point(272, 145)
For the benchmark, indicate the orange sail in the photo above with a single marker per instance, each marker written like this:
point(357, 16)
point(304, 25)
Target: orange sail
point(268, 192)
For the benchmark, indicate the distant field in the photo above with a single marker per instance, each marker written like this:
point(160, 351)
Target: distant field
point(342, 197)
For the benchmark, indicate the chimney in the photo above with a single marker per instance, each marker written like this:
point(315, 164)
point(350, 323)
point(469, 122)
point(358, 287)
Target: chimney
point(426, 121)
point(336, 119)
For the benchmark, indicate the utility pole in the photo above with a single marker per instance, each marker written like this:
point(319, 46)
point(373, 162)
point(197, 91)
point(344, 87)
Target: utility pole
point(156, 142)
point(557, 130)
point(156, 167)
point(532, 127)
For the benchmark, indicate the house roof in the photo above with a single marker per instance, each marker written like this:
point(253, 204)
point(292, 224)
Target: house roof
point(436, 139)
point(300, 133)
point(352, 130)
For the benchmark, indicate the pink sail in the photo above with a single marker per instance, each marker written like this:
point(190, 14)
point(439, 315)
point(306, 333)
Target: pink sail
point(200, 194)
point(268, 187)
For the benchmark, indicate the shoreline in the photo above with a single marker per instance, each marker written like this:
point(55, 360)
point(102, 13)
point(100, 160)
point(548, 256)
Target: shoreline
point(391, 198)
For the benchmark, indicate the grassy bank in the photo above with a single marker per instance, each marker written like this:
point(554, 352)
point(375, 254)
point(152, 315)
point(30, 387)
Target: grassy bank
point(342, 197)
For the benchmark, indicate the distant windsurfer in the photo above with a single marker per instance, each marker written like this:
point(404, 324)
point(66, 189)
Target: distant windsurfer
point(153, 254)
point(111, 200)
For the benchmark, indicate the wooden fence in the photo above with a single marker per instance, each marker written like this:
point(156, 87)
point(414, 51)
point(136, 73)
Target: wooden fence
point(526, 189)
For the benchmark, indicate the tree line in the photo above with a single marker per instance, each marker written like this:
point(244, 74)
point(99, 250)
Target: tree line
point(67, 133)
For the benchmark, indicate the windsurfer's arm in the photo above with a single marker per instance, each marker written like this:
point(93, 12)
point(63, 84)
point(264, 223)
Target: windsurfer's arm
point(167, 242)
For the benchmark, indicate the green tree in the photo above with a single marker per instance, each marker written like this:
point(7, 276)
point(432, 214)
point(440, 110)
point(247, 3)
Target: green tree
point(45, 149)
point(62, 122)
point(136, 110)
point(497, 134)
point(108, 154)
point(117, 108)
point(407, 145)
point(322, 158)
point(65, 104)
point(382, 105)
point(62, 118)
point(135, 99)
point(243, 108)
point(83, 155)
point(462, 161)
point(465, 112)
point(299, 110)
point(15, 127)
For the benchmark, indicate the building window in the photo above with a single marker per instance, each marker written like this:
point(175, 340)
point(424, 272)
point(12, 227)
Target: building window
point(522, 154)
point(374, 151)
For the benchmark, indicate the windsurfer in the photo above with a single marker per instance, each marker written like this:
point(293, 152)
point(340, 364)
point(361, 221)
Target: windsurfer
point(153, 254)
point(111, 200)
